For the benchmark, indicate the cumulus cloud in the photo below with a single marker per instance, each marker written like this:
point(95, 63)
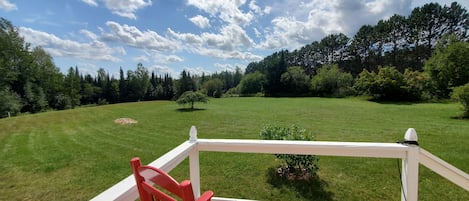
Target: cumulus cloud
point(200, 21)
point(126, 8)
point(132, 36)
point(313, 20)
point(226, 10)
point(123, 8)
point(6, 5)
point(230, 43)
point(95, 50)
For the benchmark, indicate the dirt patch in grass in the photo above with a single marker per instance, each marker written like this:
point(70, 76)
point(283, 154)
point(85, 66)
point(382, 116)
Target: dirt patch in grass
point(125, 121)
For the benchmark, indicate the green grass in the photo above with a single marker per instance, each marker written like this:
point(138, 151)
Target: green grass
point(76, 154)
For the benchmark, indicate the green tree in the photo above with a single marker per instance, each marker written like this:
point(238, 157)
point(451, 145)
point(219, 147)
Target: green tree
point(388, 85)
point(190, 97)
point(139, 81)
point(296, 81)
point(186, 83)
point(330, 81)
point(48, 76)
point(213, 87)
point(253, 83)
point(72, 87)
point(10, 103)
point(34, 98)
point(11, 50)
point(461, 94)
point(449, 67)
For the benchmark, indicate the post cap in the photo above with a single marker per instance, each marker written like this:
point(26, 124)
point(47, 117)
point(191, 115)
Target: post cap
point(410, 137)
point(193, 134)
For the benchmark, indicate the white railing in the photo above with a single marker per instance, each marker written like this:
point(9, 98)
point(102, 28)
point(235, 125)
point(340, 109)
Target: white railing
point(411, 155)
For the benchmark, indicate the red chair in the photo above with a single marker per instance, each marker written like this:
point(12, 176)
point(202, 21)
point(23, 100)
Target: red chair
point(146, 175)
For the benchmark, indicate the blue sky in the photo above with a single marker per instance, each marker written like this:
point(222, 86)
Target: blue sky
point(196, 35)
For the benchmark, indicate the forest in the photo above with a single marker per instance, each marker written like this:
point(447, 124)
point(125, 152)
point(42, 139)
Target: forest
point(420, 57)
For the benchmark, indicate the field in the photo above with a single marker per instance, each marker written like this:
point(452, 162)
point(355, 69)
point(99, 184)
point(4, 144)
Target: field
point(76, 154)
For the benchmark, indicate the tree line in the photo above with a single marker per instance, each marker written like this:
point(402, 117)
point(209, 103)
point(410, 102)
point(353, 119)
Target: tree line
point(30, 82)
point(404, 58)
point(424, 54)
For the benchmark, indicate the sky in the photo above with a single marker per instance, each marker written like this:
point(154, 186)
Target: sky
point(199, 36)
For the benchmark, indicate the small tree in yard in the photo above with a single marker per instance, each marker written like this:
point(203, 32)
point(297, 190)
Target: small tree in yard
point(461, 94)
point(190, 97)
point(298, 165)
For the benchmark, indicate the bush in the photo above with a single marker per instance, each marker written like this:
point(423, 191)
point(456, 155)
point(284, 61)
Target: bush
point(296, 164)
point(331, 82)
point(10, 103)
point(252, 83)
point(461, 94)
point(389, 84)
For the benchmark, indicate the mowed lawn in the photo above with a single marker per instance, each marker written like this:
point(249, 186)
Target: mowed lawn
point(76, 154)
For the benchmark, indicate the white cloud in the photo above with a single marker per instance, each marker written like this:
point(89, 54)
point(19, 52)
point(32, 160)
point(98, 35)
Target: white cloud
point(123, 8)
point(226, 10)
point(200, 21)
point(90, 2)
point(6, 5)
point(196, 70)
point(141, 59)
point(95, 50)
point(258, 34)
point(132, 36)
point(173, 58)
point(161, 70)
point(89, 34)
point(254, 7)
point(126, 8)
point(300, 24)
point(230, 43)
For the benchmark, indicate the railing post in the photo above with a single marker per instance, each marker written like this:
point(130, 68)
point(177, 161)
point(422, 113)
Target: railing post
point(410, 168)
point(194, 168)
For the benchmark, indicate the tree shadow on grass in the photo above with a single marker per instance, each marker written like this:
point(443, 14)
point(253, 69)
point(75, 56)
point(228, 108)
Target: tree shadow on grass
point(189, 109)
point(312, 188)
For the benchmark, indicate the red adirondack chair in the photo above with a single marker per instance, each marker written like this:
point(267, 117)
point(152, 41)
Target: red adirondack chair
point(146, 175)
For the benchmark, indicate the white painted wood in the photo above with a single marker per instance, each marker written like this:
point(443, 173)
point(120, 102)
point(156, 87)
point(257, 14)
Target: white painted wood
point(194, 164)
point(357, 149)
point(410, 175)
point(412, 155)
point(444, 169)
point(195, 172)
point(126, 189)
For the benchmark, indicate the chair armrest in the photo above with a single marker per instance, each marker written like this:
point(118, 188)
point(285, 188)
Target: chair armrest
point(207, 196)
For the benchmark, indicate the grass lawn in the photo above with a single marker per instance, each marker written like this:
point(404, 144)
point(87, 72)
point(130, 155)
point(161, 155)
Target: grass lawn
point(76, 154)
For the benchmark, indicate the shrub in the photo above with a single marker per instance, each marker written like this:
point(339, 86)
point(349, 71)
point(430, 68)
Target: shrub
point(461, 94)
point(296, 164)
point(252, 83)
point(296, 82)
point(391, 85)
point(10, 103)
point(331, 82)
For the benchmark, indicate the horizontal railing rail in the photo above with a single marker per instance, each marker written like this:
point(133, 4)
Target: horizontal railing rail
point(126, 189)
point(444, 169)
point(411, 155)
